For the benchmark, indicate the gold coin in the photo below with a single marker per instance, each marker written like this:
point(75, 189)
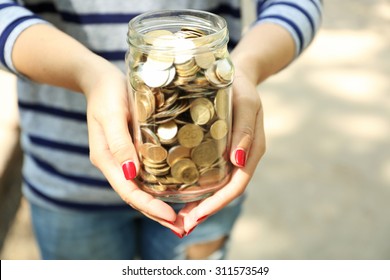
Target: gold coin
point(167, 131)
point(157, 187)
point(183, 50)
point(142, 110)
point(193, 30)
point(147, 177)
point(154, 153)
point(200, 115)
point(143, 149)
point(168, 180)
point(164, 42)
point(221, 52)
point(177, 152)
point(160, 171)
point(211, 176)
point(205, 59)
point(158, 60)
point(201, 82)
point(212, 77)
point(151, 36)
point(219, 129)
point(145, 103)
point(149, 135)
point(224, 70)
point(185, 171)
point(190, 174)
point(160, 98)
point(201, 110)
point(190, 135)
point(205, 154)
point(221, 104)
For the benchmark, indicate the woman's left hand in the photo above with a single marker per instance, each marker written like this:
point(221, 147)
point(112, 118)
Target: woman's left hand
point(248, 146)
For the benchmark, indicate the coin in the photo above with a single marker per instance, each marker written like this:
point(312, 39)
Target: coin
point(185, 171)
point(211, 176)
point(177, 152)
point(167, 131)
point(184, 49)
point(151, 36)
point(205, 153)
point(201, 110)
point(158, 187)
point(190, 135)
point(154, 77)
point(154, 153)
point(219, 129)
point(205, 59)
point(149, 136)
point(212, 77)
point(221, 104)
point(158, 61)
point(159, 171)
point(190, 174)
point(143, 112)
point(224, 70)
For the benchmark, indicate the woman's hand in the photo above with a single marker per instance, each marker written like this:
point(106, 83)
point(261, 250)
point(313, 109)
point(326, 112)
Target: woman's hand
point(248, 146)
point(111, 145)
point(263, 51)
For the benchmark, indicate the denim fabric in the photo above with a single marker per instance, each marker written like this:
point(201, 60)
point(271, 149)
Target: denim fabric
point(122, 234)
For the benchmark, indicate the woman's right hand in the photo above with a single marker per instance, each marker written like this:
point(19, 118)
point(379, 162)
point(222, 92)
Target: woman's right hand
point(111, 146)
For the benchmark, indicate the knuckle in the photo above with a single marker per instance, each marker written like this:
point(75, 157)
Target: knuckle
point(93, 158)
point(246, 131)
point(120, 149)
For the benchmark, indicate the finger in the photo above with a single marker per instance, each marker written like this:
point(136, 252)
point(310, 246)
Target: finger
point(245, 109)
point(120, 143)
point(127, 190)
point(197, 213)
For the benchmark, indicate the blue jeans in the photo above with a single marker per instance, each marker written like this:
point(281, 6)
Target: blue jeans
point(121, 234)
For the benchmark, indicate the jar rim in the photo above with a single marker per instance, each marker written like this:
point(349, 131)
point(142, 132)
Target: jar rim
point(215, 25)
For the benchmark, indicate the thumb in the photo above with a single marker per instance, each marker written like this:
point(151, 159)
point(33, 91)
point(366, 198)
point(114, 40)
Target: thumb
point(119, 141)
point(245, 111)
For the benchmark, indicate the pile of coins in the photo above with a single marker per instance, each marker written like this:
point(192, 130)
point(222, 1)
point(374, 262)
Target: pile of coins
point(181, 91)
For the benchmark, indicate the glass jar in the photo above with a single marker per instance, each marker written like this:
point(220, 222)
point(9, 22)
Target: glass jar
point(179, 77)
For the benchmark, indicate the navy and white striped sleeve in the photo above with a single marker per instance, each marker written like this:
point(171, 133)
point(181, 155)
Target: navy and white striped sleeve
point(14, 19)
point(301, 18)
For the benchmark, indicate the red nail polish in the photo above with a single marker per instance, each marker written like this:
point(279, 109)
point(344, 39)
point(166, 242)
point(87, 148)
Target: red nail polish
point(177, 234)
point(188, 233)
point(202, 218)
point(240, 157)
point(128, 168)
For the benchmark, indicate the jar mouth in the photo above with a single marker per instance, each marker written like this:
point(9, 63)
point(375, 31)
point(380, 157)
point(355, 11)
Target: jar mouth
point(213, 27)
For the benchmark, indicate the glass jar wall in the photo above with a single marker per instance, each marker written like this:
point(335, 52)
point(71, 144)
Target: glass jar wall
point(180, 76)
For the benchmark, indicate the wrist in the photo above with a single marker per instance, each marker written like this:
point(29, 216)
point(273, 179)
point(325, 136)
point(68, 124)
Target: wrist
point(263, 51)
point(94, 70)
point(246, 64)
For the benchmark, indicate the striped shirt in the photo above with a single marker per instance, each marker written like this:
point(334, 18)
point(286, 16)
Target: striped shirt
point(57, 171)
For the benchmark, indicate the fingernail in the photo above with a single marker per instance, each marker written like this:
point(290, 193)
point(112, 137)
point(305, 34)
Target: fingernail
point(240, 157)
point(177, 234)
point(202, 218)
point(188, 233)
point(128, 168)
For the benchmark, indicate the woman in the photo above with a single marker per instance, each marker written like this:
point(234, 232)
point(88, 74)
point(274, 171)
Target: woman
point(77, 47)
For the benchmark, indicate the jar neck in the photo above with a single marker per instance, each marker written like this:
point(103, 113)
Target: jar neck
point(212, 29)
